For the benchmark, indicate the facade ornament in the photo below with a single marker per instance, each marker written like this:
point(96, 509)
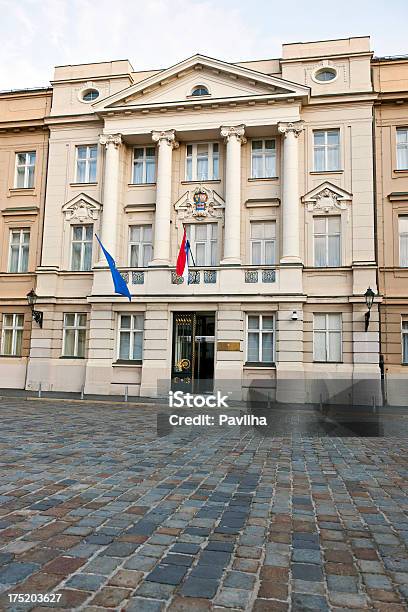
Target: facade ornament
point(327, 198)
point(107, 139)
point(237, 131)
point(200, 204)
point(81, 209)
point(295, 128)
point(167, 136)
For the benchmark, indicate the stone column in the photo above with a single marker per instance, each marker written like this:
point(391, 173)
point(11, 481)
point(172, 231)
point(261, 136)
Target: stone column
point(290, 192)
point(234, 137)
point(166, 142)
point(109, 225)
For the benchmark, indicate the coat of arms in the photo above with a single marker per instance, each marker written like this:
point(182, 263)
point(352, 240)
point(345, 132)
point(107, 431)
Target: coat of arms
point(200, 203)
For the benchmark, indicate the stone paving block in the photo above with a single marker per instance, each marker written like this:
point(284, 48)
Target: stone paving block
point(64, 565)
point(189, 604)
point(346, 584)
point(16, 572)
point(307, 571)
point(309, 603)
point(86, 582)
point(155, 590)
point(167, 574)
point(199, 588)
point(120, 549)
point(304, 555)
point(214, 557)
point(232, 598)
point(139, 604)
point(239, 580)
point(110, 597)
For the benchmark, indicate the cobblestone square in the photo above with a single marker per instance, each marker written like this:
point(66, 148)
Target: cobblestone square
point(97, 508)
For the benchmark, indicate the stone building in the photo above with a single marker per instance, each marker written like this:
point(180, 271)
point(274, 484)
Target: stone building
point(269, 166)
point(23, 164)
point(390, 79)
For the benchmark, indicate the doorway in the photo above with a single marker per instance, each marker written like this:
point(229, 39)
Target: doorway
point(193, 352)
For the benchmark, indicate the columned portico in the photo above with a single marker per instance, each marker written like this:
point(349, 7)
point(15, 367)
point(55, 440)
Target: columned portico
point(290, 192)
point(166, 142)
point(234, 137)
point(112, 143)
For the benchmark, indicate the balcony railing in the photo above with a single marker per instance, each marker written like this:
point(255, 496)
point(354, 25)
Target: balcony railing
point(205, 276)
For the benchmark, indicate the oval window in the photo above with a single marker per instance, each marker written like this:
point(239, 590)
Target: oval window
point(89, 95)
point(200, 90)
point(325, 74)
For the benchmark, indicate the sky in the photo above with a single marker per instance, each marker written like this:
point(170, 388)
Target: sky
point(37, 35)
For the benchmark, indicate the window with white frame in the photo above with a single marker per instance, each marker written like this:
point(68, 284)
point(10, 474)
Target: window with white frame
point(403, 240)
point(140, 246)
point(144, 165)
point(260, 338)
point(203, 243)
point(25, 169)
point(404, 340)
point(327, 337)
point(130, 342)
point(326, 238)
point(12, 334)
point(18, 250)
point(326, 145)
point(86, 163)
point(202, 161)
point(263, 158)
point(81, 247)
point(74, 334)
point(263, 243)
point(402, 148)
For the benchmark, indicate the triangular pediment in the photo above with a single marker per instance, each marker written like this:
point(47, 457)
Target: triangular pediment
point(224, 81)
point(327, 196)
point(81, 208)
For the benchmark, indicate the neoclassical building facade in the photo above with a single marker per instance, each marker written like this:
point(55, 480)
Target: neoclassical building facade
point(269, 167)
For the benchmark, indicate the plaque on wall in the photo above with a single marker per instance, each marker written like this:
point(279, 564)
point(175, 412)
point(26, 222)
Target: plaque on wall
point(228, 346)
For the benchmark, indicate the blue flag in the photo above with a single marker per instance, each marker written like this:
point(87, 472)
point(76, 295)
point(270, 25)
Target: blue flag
point(118, 280)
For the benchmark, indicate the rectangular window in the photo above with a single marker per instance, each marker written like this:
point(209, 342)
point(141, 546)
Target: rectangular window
point(12, 335)
point(18, 251)
point(86, 163)
point(326, 236)
point(144, 165)
point(25, 168)
point(403, 240)
point(260, 338)
point(326, 144)
point(263, 243)
point(202, 161)
point(140, 246)
point(327, 337)
point(203, 243)
point(81, 254)
point(74, 334)
point(263, 159)
point(404, 334)
point(402, 148)
point(131, 337)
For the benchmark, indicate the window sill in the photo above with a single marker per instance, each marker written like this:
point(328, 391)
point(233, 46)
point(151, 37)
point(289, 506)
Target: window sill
point(201, 182)
point(253, 179)
point(11, 356)
point(77, 184)
point(128, 362)
point(401, 170)
point(72, 357)
point(260, 365)
point(326, 172)
point(329, 362)
point(27, 273)
point(141, 184)
point(22, 191)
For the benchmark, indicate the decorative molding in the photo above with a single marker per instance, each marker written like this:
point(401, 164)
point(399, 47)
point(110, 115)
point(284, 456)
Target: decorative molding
point(200, 203)
point(110, 139)
point(327, 197)
point(18, 211)
point(295, 128)
point(167, 136)
point(262, 202)
point(82, 208)
point(237, 131)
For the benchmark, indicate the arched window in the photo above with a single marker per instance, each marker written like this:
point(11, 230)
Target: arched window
point(200, 90)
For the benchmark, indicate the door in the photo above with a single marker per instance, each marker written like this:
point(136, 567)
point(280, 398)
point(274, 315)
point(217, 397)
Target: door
point(193, 352)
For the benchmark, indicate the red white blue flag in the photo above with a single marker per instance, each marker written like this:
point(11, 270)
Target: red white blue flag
point(182, 259)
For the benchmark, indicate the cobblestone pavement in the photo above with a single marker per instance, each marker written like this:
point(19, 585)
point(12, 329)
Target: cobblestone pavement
point(98, 509)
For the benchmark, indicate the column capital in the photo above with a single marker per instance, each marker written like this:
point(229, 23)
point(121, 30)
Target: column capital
point(295, 127)
point(237, 131)
point(167, 136)
point(108, 139)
